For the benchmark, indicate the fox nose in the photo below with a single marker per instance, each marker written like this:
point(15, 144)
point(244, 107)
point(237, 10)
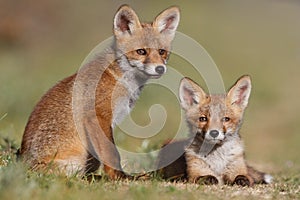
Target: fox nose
point(160, 69)
point(214, 133)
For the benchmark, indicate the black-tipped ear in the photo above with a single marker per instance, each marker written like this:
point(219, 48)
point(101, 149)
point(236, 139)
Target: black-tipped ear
point(240, 92)
point(167, 21)
point(126, 21)
point(190, 93)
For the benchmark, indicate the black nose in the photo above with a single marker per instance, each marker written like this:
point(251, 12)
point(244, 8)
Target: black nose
point(214, 133)
point(160, 69)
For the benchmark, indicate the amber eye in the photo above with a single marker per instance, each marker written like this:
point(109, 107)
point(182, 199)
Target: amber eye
point(141, 52)
point(203, 119)
point(226, 119)
point(161, 52)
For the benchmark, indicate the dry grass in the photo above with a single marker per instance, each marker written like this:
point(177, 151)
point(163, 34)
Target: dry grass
point(18, 183)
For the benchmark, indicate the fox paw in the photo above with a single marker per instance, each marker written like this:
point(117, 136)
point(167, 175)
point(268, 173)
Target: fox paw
point(207, 180)
point(119, 175)
point(242, 181)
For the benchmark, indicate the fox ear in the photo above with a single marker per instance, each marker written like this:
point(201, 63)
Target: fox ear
point(240, 92)
point(126, 21)
point(190, 93)
point(167, 21)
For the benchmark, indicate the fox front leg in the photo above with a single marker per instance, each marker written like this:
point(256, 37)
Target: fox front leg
point(236, 174)
point(198, 171)
point(111, 161)
point(100, 143)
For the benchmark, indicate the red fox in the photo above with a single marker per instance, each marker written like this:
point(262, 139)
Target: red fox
point(139, 52)
point(215, 152)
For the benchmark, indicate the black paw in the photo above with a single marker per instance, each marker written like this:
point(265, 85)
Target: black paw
point(241, 180)
point(93, 177)
point(207, 180)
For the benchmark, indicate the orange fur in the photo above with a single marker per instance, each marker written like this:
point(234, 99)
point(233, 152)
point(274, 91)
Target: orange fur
point(214, 153)
point(51, 139)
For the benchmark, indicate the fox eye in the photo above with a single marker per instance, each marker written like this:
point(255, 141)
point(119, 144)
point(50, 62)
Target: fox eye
point(141, 52)
point(161, 52)
point(203, 119)
point(226, 119)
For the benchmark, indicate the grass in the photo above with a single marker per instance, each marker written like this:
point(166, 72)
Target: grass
point(18, 183)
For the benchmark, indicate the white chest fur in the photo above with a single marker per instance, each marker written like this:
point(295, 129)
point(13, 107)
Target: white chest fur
point(125, 95)
point(222, 156)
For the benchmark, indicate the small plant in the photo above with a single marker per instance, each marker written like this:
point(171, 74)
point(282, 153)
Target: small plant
point(8, 150)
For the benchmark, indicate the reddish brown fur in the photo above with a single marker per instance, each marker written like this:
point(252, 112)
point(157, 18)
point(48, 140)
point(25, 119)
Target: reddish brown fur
point(49, 117)
point(51, 139)
point(225, 162)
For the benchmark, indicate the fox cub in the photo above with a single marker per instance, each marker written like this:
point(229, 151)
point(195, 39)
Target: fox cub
point(139, 52)
point(215, 152)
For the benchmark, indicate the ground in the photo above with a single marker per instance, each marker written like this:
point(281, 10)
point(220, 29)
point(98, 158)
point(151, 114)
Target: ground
point(18, 183)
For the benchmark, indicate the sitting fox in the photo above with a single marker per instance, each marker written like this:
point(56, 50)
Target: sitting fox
point(139, 52)
point(215, 152)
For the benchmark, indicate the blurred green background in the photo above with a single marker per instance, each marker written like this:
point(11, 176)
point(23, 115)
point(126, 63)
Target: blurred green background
point(41, 42)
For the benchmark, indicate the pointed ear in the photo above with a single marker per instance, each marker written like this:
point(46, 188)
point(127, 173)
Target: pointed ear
point(239, 93)
point(167, 21)
point(190, 93)
point(126, 21)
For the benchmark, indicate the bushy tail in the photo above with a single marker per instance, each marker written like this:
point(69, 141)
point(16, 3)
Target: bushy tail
point(172, 168)
point(259, 177)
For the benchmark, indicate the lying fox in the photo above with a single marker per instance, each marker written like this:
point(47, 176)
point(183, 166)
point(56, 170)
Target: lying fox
point(139, 52)
point(215, 154)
